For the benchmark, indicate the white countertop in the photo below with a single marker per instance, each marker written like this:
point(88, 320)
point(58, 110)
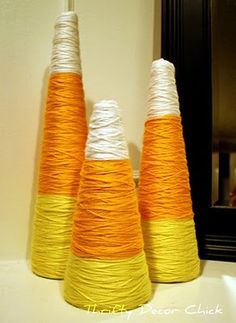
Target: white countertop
point(26, 298)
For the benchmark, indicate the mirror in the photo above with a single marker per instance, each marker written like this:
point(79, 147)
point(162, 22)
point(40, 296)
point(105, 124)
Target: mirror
point(199, 38)
point(224, 102)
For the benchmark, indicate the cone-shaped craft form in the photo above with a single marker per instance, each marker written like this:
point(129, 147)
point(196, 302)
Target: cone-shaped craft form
point(107, 268)
point(164, 190)
point(62, 153)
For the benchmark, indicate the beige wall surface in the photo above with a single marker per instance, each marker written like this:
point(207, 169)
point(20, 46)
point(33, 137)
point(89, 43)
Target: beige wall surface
point(116, 50)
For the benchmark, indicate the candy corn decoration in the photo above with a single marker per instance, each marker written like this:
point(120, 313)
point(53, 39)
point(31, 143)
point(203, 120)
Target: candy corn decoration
point(62, 152)
point(107, 269)
point(164, 191)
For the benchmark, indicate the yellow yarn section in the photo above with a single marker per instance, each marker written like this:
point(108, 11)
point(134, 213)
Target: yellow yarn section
point(52, 235)
point(107, 285)
point(171, 250)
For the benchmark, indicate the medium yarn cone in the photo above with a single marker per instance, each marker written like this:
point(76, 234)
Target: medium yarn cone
point(164, 191)
point(107, 269)
point(62, 153)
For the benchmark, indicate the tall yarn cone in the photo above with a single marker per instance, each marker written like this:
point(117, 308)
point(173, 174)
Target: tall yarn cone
point(62, 153)
point(164, 191)
point(107, 269)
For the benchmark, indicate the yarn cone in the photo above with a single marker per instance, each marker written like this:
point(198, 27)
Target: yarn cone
point(164, 191)
point(107, 269)
point(62, 153)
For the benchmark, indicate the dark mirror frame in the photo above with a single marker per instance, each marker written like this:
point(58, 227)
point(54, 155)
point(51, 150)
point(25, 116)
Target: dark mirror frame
point(186, 42)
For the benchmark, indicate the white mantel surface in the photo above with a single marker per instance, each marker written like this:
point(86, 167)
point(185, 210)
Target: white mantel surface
point(26, 298)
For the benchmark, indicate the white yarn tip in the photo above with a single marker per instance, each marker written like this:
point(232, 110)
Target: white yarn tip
point(163, 97)
point(70, 5)
point(66, 49)
point(106, 140)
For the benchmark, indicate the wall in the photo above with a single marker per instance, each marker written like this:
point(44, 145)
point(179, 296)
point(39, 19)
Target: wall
point(116, 49)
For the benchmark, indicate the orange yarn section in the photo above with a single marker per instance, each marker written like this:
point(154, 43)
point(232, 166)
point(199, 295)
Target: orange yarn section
point(107, 221)
point(164, 190)
point(64, 136)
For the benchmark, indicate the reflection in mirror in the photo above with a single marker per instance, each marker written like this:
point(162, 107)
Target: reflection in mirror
point(224, 102)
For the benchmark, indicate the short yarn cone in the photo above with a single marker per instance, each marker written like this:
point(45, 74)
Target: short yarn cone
point(62, 153)
point(164, 191)
point(107, 269)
